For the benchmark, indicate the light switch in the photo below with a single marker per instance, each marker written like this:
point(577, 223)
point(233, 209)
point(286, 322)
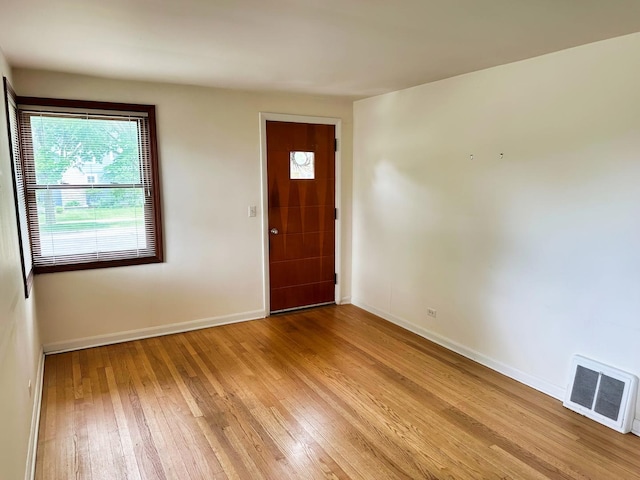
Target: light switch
point(252, 211)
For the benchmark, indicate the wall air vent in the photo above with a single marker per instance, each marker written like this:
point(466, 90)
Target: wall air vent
point(602, 393)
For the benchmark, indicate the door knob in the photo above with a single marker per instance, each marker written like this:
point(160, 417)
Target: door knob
point(274, 231)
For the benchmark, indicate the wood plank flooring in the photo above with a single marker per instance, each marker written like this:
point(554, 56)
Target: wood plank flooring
point(330, 393)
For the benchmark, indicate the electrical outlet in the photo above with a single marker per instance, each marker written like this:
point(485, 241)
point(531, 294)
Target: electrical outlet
point(432, 312)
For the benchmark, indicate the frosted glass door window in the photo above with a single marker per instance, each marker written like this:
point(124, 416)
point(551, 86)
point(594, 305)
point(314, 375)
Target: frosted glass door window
point(302, 166)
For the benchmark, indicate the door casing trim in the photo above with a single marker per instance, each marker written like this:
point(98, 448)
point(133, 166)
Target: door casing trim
point(283, 117)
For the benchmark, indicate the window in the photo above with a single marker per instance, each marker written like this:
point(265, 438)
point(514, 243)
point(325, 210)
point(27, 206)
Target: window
point(91, 183)
point(302, 165)
point(18, 187)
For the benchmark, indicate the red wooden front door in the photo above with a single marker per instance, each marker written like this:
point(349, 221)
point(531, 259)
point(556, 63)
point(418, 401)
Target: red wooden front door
point(301, 179)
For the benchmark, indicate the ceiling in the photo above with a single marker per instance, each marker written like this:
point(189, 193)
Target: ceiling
point(341, 47)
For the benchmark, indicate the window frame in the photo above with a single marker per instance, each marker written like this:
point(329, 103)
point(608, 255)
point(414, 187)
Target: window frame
point(19, 188)
point(73, 106)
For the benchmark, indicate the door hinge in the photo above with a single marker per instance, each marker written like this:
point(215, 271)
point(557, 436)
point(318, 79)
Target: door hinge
point(335, 144)
point(335, 278)
point(335, 213)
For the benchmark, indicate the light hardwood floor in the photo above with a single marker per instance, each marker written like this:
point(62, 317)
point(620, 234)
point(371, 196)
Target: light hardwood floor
point(328, 393)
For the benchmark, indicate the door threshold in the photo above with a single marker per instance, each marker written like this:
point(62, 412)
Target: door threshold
point(298, 309)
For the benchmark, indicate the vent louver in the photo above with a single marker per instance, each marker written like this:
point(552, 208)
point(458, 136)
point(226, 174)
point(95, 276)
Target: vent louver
point(602, 393)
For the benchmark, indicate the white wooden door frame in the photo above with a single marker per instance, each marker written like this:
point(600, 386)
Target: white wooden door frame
point(282, 117)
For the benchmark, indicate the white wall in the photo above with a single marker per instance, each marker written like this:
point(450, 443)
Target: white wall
point(209, 144)
point(527, 259)
point(20, 350)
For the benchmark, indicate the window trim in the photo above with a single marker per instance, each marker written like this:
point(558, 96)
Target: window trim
point(27, 276)
point(150, 111)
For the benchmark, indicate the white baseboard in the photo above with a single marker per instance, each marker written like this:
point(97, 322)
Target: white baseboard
point(30, 470)
point(345, 300)
point(522, 377)
point(111, 338)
